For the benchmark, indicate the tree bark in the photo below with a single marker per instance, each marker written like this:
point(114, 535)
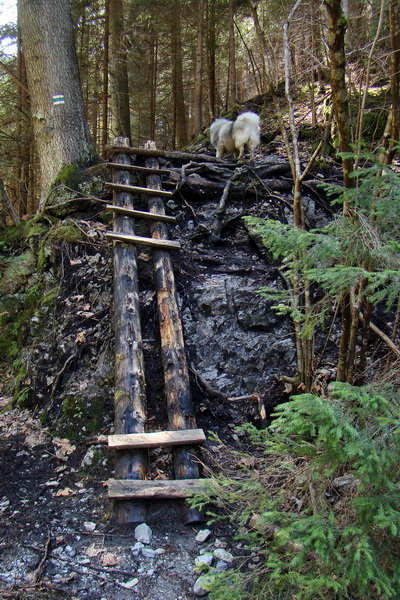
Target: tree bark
point(394, 128)
point(198, 82)
point(180, 118)
point(119, 99)
point(61, 130)
point(104, 101)
point(232, 85)
point(212, 45)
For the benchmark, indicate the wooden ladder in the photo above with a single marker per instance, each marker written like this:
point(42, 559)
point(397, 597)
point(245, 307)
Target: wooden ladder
point(131, 442)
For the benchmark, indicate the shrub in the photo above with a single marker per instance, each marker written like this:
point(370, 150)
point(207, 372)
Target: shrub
point(322, 509)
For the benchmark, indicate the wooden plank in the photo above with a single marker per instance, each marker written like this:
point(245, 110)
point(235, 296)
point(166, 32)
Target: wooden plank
point(125, 489)
point(134, 189)
point(140, 214)
point(137, 239)
point(138, 169)
point(156, 439)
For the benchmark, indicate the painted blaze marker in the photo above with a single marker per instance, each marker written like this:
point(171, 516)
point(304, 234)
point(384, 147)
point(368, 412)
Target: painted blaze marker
point(58, 99)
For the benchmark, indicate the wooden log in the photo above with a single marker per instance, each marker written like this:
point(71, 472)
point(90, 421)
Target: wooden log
point(137, 168)
point(178, 156)
point(130, 387)
point(140, 214)
point(157, 439)
point(134, 189)
point(176, 375)
point(158, 489)
point(137, 239)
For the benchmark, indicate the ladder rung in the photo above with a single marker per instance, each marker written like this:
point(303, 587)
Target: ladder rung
point(134, 189)
point(137, 239)
point(140, 214)
point(156, 439)
point(126, 489)
point(137, 168)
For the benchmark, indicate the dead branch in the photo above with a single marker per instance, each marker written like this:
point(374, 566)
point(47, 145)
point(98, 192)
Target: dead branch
point(38, 572)
point(385, 338)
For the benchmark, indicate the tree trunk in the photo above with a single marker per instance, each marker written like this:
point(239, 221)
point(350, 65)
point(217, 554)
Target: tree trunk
point(395, 80)
point(180, 119)
point(60, 127)
point(232, 85)
point(337, 23)
point(198, 80)
point(104, 102)
point(153, 83)
point(119, 99)
point(212, 45)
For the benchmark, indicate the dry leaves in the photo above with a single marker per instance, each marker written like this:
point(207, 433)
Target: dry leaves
point(65, 448)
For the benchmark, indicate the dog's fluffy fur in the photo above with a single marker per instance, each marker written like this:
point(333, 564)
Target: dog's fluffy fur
point(234, 137)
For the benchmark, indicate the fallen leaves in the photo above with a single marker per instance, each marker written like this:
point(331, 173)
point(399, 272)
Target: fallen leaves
point(65, 448)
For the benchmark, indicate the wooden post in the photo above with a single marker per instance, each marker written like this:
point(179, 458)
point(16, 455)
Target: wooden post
point(130, 387)
point(176, 375)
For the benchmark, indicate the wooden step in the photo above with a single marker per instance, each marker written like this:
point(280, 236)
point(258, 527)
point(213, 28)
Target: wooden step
point(127, 489)
point(134, 189)
point(157, 439)
point(140, 214)
point(144, 241)
point(137, 168)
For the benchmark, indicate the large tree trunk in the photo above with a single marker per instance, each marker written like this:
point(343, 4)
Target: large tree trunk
point(180, 120)
point(394, 121)
point(153, 83)
point(212, 45)
point(104, 100)
point(198, 81)
point(232, 85)
point(60, 129)
point(337, 23)
point(121, 124)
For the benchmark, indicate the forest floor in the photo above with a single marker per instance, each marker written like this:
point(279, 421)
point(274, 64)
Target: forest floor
point(58, 538)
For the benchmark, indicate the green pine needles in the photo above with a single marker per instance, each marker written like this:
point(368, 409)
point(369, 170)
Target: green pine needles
point(353, 262)
point(321, 510)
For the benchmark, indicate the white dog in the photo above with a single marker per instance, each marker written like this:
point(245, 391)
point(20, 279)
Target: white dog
point(234, 136)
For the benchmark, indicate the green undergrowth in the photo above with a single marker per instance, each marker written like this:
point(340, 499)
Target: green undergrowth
point(320, 511)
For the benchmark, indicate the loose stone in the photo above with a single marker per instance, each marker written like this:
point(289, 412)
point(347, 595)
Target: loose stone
point(143, 533)
point(203, 535)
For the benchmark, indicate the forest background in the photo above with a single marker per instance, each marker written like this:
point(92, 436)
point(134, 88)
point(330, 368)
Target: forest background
point(164, 70)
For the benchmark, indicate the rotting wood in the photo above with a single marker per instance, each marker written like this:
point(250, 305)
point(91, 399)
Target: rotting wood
point(137, 239)
point(157, 439)
point(140, 214)
point(134, 189)
point(130, 386)
point(176, 375)
point(157, 489)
